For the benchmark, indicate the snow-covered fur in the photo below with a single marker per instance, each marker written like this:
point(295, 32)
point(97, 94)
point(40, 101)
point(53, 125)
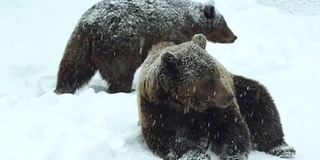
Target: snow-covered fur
point(114, 37)
point(183, 98)
point(188, 101)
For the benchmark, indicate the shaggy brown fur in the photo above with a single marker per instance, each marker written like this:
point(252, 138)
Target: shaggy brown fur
point(185, 99)
point(189, 101)
point(261, 114)
point(115, 37)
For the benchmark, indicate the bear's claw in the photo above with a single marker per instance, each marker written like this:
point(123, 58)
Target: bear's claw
point(283, 151)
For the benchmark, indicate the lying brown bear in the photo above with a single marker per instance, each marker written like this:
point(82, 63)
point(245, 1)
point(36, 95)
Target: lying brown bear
point(188, 101)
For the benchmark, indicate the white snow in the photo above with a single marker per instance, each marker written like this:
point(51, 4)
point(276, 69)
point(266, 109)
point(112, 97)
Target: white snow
point(277, 46)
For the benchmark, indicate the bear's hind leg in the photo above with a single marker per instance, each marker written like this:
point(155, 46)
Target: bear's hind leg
point(262, 117)
point(76, 67)
point(73, 75)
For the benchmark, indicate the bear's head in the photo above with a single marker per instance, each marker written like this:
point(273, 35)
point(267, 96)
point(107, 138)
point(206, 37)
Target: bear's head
point(193, 79)
point(214, 26)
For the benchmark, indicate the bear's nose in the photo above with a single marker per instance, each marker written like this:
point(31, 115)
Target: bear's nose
point(230, 98)
point(235, 37)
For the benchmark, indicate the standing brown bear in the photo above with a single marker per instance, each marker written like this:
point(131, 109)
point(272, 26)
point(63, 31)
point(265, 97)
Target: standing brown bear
point(188, 101)
point(114, 37)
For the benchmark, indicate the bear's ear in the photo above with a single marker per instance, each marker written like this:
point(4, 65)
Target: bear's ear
point(209, 11)
point(200, 40)
point(169, 59)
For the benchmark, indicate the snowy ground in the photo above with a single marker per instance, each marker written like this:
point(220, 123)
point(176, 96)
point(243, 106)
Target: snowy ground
point(277, 46)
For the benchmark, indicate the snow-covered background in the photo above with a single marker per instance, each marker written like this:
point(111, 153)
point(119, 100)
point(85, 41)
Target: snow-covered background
point(278, 44)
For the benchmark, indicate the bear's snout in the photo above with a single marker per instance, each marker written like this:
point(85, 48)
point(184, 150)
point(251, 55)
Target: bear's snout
point(234, 39)
point(230, 98)
point(229, 36)
point(229, 40)
point(224, 35)
point(223, 100)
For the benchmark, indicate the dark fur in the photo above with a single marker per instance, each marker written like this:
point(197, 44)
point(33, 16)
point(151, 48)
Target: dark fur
point(104, 40)
point(261, 114)
point(251, 120)
point(177, 116)
point(170, 130)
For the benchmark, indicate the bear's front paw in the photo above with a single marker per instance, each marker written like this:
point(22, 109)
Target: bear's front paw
point(195, 155)
point(283, 151)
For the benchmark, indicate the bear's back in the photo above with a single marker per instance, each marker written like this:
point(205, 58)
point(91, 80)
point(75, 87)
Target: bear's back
point(136, 16)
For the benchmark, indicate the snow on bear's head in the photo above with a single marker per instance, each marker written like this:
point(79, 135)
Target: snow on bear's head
point(191, 77)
